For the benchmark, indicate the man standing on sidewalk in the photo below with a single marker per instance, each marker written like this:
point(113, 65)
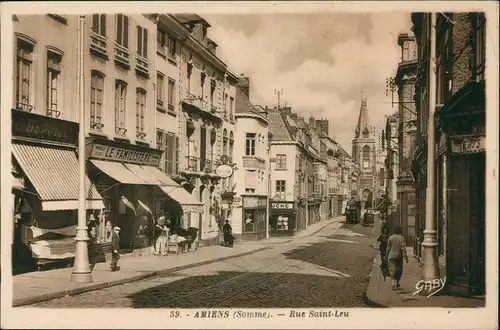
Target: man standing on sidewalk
point(115, 249)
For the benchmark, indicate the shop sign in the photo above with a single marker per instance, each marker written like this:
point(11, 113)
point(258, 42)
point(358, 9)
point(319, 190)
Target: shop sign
point(100, 151)
point(37, 127)
point(250, 202)
point(224, 171)
point(253, 163)
point(282, 206)
point(468, 144)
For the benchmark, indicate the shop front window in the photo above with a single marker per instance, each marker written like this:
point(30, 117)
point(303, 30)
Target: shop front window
point(249, 222)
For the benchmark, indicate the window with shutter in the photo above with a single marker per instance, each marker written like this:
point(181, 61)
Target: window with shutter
point(23, 88)
point(52, 85)
point(120, 107)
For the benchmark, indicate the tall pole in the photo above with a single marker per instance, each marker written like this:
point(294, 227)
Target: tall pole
point(268, 195)
point(430, 264)
point(81, 269)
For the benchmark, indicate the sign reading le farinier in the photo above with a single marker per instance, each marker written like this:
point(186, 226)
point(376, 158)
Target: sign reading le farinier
point(100, 151)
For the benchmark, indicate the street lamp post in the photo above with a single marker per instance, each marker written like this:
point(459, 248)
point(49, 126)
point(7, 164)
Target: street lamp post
point(81, 269)
point(430, 269)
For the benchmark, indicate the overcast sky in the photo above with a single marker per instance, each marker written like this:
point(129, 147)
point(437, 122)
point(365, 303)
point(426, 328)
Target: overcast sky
point(320, 61)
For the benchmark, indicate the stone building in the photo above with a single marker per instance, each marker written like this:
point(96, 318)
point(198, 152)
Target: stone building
point(460, 119)
point(407, 130)
point(250, 214)
point(364, 155)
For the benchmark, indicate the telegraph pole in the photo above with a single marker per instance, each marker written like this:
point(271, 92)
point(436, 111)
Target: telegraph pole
point(430, 269)
point(81, 269)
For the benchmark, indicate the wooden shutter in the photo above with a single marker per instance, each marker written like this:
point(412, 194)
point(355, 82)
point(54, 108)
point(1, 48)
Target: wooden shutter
point(125, 31)
point(145, 49)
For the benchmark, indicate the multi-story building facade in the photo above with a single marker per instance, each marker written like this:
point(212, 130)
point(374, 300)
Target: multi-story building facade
point(460, 115)
point(157, 116)
point(407, 130)
point(249, 217)
point(330, 151)
point(391, 161)
point(206, 98)
point(364, 154)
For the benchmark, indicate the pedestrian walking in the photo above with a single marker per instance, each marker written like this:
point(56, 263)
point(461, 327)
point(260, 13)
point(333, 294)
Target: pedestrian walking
point(396, 251)
point(228, 234)
point(162, 237)
point(382, 247)
point(115, 247)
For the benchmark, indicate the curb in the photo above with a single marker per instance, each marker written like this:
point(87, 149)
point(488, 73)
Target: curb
point(99, 286)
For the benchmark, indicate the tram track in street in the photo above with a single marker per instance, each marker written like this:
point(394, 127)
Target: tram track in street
point(245, 280)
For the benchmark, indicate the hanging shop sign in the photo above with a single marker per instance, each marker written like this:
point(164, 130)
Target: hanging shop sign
point(468, 144)
point(37, 127)
point(251, 162)
point(118, 154)
point(224, 171)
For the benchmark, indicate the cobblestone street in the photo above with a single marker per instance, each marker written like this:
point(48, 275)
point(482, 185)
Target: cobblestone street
point(327, 269)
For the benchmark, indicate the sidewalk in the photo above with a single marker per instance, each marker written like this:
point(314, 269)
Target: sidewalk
point(35, 287)
point(311, 230)
point(380, 293)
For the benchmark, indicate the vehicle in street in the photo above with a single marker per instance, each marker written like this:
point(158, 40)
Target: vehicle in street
point(353, 211)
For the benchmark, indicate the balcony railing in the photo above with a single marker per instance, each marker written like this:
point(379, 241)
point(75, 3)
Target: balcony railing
point(142, 65)
point(122, 55)
point(24, 106)
point(98, 44)
point(96, 125)
point(53, 113)
point(191, 163)
point(198, 102)
point(205, 165)
point(120, 130)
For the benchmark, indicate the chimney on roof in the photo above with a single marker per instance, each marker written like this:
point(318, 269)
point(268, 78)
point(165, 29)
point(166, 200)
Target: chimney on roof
point(312, 122)
point(244, 85)
point(322, 126)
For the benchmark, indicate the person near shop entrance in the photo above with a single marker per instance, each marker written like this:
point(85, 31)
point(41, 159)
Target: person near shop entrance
point(161, 229)
point(396, 250)
point(115, 249)
point(227, 230)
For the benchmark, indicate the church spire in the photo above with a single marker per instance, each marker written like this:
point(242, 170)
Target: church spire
point(363, 120)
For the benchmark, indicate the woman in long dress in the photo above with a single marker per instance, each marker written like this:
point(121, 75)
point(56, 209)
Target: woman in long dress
point(396, 251)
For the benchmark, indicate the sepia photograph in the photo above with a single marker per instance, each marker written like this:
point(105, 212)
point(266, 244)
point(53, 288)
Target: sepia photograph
point(242, 166)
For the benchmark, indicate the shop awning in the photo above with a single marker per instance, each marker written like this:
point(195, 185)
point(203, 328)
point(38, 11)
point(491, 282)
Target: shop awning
point(16, 183)
point(165, 179)
point(118, 172)
point(143, 174)
point(54, 173)
point(181, 196)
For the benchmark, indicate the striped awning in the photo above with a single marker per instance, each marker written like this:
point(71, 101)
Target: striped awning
point(54, 173)
point(187, 202)
point(118, 172)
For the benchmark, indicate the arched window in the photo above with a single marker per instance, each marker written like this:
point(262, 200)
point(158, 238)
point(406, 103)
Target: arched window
point(24, 72)
point(140, 114)
point(366, 157)
point(231, 146)
point(96, 100)
point(224, 143)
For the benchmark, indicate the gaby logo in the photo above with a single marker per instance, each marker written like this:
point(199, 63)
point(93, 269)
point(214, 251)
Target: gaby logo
point(430, 286)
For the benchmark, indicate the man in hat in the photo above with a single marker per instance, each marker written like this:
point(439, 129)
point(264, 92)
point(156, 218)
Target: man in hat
point(115, 247)
point(227, 230)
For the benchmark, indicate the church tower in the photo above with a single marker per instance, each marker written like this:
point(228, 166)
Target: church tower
point(364, 155)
